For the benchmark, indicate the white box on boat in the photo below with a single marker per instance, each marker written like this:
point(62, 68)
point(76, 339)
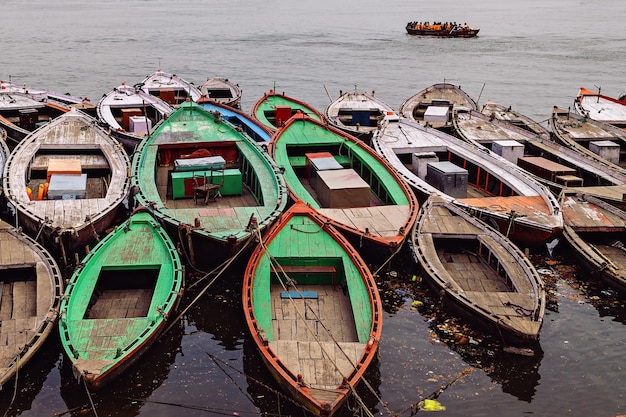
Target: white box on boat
point(139, 124)
point(438, 114)
point(420, 161)
point(511, 150)
point(67, 186)
point(342, 188)
point(605, 149)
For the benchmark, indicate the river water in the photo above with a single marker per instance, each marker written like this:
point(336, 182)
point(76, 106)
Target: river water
point(529, 54)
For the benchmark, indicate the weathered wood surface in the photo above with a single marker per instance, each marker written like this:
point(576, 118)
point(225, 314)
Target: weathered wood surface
point(479, 269)
point(312, 336)
point(71, 136)
point(414, 107)
point(29, 301)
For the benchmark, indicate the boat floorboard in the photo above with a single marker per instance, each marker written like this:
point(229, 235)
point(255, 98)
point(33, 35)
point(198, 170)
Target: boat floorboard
point(313, 335)
point(121, 303)
point(522, 205)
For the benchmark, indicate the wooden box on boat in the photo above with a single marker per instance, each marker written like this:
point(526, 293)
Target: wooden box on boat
point(549, 170)
point(342, 188)
point(436, 114)
point(127, 114)
point(606, 149)
point(511, 150)
point(64, 166)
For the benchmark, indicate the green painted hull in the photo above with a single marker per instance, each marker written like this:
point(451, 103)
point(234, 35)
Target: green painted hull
point(119, 299)
point(264, 110)
point(302, 135)
point(303, 244)
point(209, 233)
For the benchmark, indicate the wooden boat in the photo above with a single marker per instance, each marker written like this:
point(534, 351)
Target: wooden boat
point(125, 104)
point(594, 229)
point(209, 183)
point(490, 187)
point(252, 126)
point(222, 90)
point(437, 104)
point(169, 87)
point(357, 113)
point(479, 272)
point(67, 182)
point(119, 299)
point(441, 30)
point(313, 309)
point(553, 164)
point(274, 109)
point(509, 116)
point(32, 287)
point(602, 108)
point(345, 180)
point(589, 137)
point(20, 114)
point(38, 94)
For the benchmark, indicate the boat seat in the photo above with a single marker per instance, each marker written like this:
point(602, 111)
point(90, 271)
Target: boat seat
point(207, 187)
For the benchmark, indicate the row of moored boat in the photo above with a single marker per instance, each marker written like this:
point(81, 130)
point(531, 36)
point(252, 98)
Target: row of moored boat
point(163, 176)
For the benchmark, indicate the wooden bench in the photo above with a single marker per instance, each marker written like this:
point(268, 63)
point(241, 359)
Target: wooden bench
point(305, 269)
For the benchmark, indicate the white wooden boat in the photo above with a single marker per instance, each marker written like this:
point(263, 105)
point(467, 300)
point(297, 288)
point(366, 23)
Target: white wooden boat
point(357, 113)
point(601, 107)
point(21, 113)
point(596, 231)
point(437, 104)
point(130, 113)
point(170, 88)
point(67, 181)
point(434, 162)
point(589, 137)
point(553, 164)
point(480, 272)
point(508, 115)
point(31, 288)
point(222, 90)
point(39, 94)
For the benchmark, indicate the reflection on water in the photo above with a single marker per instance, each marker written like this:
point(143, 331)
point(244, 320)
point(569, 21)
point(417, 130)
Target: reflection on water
point(18, 394)
point(127, 395)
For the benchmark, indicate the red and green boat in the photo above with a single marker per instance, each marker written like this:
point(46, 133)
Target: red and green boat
point(345, 181)
point(274, 109)
point(313, 309)
point(119, 299)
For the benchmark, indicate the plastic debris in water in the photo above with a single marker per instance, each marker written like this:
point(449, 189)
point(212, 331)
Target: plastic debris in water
point(431, 405)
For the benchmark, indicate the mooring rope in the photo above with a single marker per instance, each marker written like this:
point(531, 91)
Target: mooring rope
point(93, 406)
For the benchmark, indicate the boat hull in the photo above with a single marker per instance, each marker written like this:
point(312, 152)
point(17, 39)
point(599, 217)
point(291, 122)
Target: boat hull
point(108, 319)
point(324, 389)
point(32, 273)
point(479, 272)
point(444, 33)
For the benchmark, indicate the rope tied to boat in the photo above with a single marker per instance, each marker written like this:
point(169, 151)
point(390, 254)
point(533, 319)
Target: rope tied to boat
point(287, 282)
point(520, 310)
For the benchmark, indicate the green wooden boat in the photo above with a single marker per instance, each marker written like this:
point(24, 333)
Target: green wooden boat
point(313, 309)
point(119, 298)
point(274, 109)
point(193, 148)
point(345, 180)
